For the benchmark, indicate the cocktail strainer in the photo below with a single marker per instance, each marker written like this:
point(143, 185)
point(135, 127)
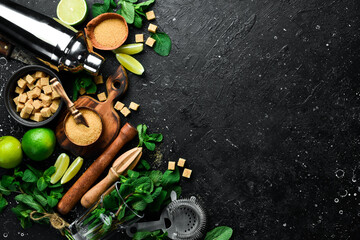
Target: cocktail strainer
point(182, 219)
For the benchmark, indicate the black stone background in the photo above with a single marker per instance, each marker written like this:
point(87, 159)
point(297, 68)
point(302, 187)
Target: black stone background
point(262, 99)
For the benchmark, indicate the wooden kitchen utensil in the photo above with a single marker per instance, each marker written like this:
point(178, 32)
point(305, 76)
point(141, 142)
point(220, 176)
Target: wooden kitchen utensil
point(74, 194)
point(78, 117)
point(126, 161)
point(116, 86)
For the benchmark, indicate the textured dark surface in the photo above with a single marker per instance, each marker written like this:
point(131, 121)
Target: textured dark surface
point(262, 98)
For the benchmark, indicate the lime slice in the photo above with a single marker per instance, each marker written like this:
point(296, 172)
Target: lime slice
point(71, 12)
point(72, 170)
point(61, 165)
point(130, 49)
point(130, 63)
point(65, 25)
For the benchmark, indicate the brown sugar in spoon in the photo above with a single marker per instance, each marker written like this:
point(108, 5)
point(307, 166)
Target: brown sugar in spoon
point(78, 117)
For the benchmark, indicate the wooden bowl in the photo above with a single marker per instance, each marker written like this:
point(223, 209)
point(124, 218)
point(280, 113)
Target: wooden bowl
point(10, 94)
point(83, 145)
point(90, 27)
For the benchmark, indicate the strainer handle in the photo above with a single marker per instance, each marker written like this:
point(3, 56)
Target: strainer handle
point(145, 226)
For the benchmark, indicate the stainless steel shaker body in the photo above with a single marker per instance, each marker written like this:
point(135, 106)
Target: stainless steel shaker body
point(48, 40)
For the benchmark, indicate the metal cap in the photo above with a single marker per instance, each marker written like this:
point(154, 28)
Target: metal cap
point(93, 63)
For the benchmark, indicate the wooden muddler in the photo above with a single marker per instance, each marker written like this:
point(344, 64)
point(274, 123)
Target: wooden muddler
point(74, 194)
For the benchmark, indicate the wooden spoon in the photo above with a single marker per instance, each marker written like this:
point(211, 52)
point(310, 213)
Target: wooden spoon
point(78, 117)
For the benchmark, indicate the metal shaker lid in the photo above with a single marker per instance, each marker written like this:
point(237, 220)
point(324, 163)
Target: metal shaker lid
point(93, 63)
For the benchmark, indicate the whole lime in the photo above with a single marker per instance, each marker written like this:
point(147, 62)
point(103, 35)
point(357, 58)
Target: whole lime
point(38, 143)
point(10, 152)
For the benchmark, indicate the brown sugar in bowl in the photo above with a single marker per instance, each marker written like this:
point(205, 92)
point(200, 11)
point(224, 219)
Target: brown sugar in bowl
point(107, 31)
point(79, 134)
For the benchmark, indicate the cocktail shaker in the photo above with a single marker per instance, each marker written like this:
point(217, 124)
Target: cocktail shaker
point(52, 43)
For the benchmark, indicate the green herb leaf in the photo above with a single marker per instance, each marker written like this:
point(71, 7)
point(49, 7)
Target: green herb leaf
point(131, 1)
point(144, 5)
point(156, 177)
point(4, 191)
point(35, 171)
point(141, 235)
point(91, 89)
point(41, 184)
point(3, 203)
point(29, 176)
point(18, 173)
point(155, 137)
point(29, 201)
point(156, 205)
point(113, 4)
point(156, 193)
point(138, 22)
point(98, 8)
point(25, 222)
point(127, 10)
point(52, 201)
point(171, 177)
point(40, 199)
point(6, 181)
point(219, 233)
point(133, 174)
point(56, 185)
point(50, 171)
point(150, 146)
point(163, 43)
point(139, 205)
point(143, 164)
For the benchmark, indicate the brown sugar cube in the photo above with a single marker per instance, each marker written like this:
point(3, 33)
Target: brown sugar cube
point(39, 74)
point(28, 108)
point(37, 117)
point(29, 102)
point(23, 98)
point(54, 106)
point(125, 111)
point(37, 104)
point(152, 28)
point(24, 114)
point(171, 165)
point(98, 79)
point(119, 105)
point(16, 100)
point(20, 107)
point(46, 100)
point(139, 38)
point(30, 86)
point(82, 91)
point(46, 112)
point(44, 81)
point(150, 15)
point(19, 90)
point(187, 173)
point(150, 42)
point(30, 79)
point(21, 83)
point(134, 106)
point(101, 97)
point(181, 162)
point(41, 96)
point(38, 83)
point(47, 89)
point(36, 92)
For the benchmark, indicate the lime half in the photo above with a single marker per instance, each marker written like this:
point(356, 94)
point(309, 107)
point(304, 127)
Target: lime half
point(130, 63)
point(130, 49)
point(72, 170)
point(61, 164)
point(71, 12)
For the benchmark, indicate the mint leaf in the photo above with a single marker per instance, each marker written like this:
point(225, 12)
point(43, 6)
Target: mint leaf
point(91, 89)
point(6, 181)
point(35, 171)
point(98, 8)
point(29, 176)
point(141, 235)
point(52, 201)
point(138, 22)
point(29, 201)
point(41, 184)
point(127, 10)
point(171, 177)
point(40, 199)
point(113, 4)
point(156, 177)
point(219, 233)
point(156, 137)
point(3, 203)
point(163, 43)
point(4, 191)
point(150, 146)
point(144, 5)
